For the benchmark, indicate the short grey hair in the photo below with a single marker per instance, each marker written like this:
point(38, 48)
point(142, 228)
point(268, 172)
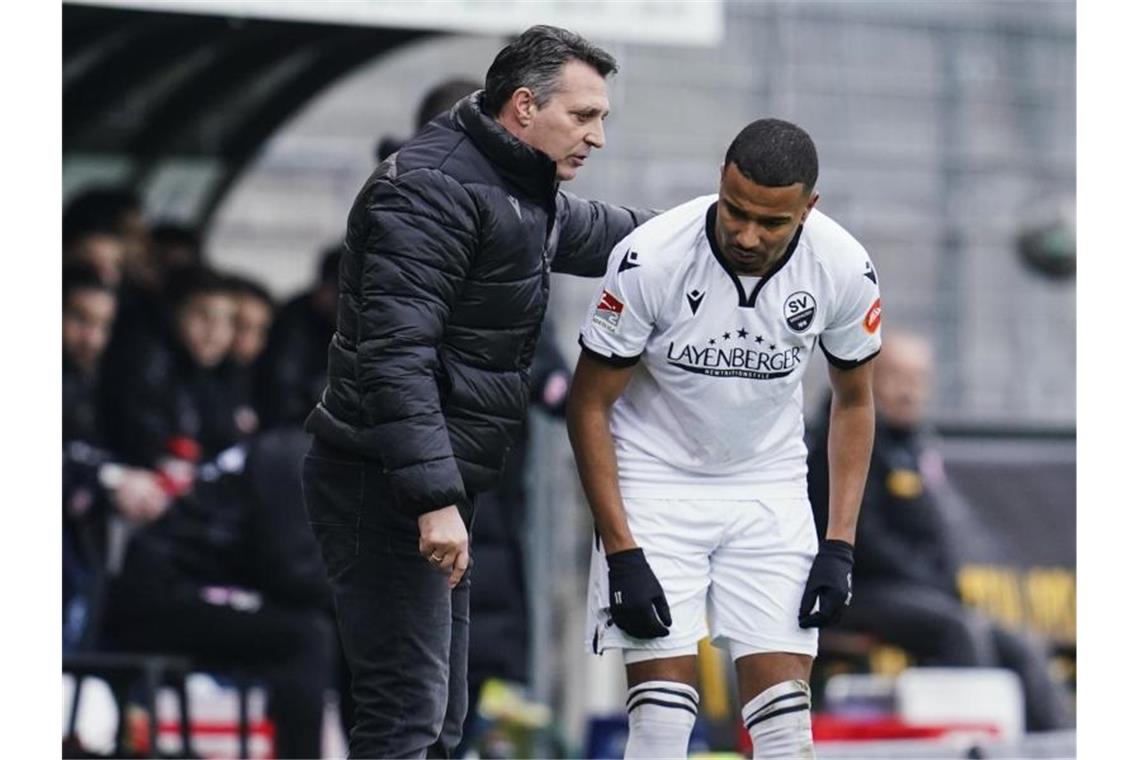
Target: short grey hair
point(534, 60)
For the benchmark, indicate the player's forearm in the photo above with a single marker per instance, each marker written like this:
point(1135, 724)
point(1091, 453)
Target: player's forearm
point(589, 429)
point(849, 445)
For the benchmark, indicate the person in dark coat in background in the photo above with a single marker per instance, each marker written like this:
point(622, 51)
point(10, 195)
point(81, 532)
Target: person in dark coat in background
point(500, 618)
point(443, 286)
point(231, 576)
point(179, 403)
point(438, 99)
point(906, 592)
point(253, 319)
point(94, 484)
point(293, 369)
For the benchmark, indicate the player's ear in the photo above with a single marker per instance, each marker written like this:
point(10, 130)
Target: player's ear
point(810, 205)
point(523, 106)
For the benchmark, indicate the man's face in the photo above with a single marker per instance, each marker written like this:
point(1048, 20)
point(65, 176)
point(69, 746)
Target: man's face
point(104, 253)
point(902, 379)
point(251, 328)
point(87, 318)
point(206, 327)
point(754, 223)
point(569, 126)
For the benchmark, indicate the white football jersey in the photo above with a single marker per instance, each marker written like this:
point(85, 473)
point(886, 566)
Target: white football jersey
point(715, 406)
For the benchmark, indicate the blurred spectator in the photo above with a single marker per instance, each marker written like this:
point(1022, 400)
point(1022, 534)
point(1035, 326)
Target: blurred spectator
point(173, 248)
point(294, 368)
point(499, 645)
point(112, 211)
point(252, 320)
point(100, 249)
point(92, 481)
point(437, 100)
point(905, 589)
point(177, 402)
point(88, 314)
point(232, 577)
point(254, 317)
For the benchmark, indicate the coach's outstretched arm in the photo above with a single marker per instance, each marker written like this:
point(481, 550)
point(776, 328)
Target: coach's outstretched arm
point(637, 601)
point(849, 441)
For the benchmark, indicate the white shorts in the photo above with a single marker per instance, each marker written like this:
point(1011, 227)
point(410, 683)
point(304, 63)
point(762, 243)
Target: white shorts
point(736, 567)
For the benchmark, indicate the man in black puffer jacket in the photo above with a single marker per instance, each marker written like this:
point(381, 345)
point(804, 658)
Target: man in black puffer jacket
point(443, 286)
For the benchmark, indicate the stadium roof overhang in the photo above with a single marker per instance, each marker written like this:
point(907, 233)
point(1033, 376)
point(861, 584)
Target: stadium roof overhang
point(148, 84)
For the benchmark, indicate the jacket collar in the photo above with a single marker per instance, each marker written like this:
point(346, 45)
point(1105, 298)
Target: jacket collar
point(528, 169)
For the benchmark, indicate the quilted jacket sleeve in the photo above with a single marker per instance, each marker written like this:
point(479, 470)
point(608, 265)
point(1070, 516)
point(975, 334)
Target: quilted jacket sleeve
point(413, 238)
point(589, 231)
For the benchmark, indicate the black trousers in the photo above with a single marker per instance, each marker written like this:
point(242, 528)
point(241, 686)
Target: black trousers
point(290, 649)
point(938, 629)
point(404, 632)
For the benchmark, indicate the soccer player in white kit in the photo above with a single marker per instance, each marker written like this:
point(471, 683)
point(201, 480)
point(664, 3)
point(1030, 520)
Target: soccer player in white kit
point(686, 419)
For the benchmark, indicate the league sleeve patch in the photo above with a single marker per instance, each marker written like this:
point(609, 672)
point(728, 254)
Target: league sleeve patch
point(872, 318)
point(607, 313)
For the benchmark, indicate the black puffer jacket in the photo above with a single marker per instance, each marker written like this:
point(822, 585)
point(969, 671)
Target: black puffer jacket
point(443, 287)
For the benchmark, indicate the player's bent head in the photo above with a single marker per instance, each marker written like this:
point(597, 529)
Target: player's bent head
point(775, 153)
point(534, 60)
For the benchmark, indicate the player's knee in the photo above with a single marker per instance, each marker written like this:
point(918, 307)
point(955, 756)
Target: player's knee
point(661, 718)
point(779, 721)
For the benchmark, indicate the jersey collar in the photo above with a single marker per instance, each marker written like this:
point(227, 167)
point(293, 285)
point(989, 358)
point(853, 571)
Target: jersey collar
point(747, 300)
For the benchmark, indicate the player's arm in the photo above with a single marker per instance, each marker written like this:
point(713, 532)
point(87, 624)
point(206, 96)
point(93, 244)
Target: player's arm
point(593, 391)
point(637, 601)
point(849, 440)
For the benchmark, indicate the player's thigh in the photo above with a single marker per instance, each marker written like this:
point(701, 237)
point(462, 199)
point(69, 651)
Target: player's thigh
point(680, 669)
point(757, 579)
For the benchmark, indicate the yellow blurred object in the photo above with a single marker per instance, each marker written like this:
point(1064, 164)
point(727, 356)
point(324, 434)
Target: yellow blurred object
point(503, 701)
point(904, 484)
point(886, 660)
point(714, 685)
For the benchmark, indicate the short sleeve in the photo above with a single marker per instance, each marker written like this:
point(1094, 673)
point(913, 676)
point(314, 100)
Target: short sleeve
point(852, 336)
point(621, 315)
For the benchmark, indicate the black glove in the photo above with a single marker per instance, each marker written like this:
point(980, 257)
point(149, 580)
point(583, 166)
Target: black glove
point(637, 602)
point(830, 581)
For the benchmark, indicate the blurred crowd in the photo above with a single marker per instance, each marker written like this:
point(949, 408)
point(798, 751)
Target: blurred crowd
point(184, 388)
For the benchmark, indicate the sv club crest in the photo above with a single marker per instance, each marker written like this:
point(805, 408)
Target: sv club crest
point(799, 310)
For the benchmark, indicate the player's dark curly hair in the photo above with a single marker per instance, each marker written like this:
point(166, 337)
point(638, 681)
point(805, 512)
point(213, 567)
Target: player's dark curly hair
point(774, 153)
point(534, 60)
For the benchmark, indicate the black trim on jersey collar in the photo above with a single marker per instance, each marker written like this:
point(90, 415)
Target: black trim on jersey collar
point(838, 363)
point(747, 301)
point(613, 360)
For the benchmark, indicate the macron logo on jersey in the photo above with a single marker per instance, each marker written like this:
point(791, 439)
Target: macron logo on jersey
point(695, 299)
point(628, 261)
point(607, 313)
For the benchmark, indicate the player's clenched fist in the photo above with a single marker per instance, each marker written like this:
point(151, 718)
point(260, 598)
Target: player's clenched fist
point(637, 602)
point(443, 542)
point(828, 590)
